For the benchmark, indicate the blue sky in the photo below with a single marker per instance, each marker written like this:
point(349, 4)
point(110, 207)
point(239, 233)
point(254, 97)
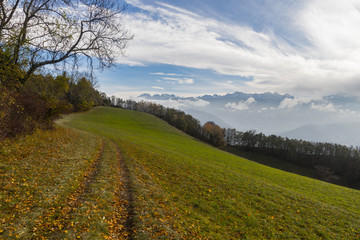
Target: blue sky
point(189, 48)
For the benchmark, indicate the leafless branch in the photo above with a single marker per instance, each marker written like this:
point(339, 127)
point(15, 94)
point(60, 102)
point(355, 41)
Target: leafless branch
point(44, 32)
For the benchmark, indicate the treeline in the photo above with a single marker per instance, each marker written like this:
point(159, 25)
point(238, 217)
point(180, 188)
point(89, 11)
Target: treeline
point(209, 132)
point(333, 162)
point(40, 100)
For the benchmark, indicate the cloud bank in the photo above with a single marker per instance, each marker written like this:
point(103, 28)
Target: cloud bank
point(292, 102)
point(179, 103)
point(241, 105)
point(326, 62)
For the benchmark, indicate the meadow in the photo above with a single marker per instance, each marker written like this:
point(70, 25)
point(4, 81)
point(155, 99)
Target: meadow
point(130, 175)
point(61, 184)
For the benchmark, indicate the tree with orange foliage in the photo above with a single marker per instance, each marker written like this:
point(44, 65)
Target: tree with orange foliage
point(213, 134)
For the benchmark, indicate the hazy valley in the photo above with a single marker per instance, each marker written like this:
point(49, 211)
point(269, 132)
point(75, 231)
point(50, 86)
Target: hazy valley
point(332, 119)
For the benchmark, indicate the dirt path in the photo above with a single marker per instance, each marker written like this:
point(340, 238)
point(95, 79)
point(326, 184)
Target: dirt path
point(124, 215)
point(102, 205)
point(61, 220)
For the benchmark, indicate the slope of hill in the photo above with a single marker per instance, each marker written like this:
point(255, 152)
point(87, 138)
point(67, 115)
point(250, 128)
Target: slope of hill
point(135, 176)
point(186, 189)
point(61, 184)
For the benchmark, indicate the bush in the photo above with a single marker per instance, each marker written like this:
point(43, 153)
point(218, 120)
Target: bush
point(40, 100)
point(13, 121)
point(22, 111)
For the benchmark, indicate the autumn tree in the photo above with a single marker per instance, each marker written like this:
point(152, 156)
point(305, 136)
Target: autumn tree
point(214, 134)
point(82, 94)
point(37, 33)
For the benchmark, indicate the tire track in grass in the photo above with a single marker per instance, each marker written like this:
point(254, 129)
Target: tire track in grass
point(62, 217)
point(122, 225)
point(102, 206)
point(89, 177)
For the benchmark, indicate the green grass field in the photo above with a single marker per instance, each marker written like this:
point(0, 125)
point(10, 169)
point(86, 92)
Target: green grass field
point(61, 184)
point(176, 188)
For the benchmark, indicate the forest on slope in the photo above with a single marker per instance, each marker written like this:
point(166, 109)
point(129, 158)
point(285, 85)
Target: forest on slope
point(331, 162)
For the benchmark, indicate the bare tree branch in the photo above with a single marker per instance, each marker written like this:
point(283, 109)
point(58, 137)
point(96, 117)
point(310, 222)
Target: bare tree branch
point(45, 32)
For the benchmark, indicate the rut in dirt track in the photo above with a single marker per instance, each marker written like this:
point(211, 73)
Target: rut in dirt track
point(121, 218)
point(124, 201)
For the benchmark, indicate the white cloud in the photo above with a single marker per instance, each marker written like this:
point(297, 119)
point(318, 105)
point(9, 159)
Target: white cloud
point(180, 80)
point(242, 105)
point(250, 100)
point(328, 64)
point(292, 102)
point(156, 87)
point(348, 111)
point(263, 109)
point(181, 103)
point(328, 107)
point(331, 27)
point(166, 74)
point(197, 103)
point(288, 103)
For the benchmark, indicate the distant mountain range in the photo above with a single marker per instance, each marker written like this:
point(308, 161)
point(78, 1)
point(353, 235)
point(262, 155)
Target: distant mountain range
point(334, 118)
point(264, 98)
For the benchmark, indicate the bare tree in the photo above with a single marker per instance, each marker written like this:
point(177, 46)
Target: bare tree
point(36, 33)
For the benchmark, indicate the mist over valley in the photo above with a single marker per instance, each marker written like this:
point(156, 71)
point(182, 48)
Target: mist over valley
point(333, 118)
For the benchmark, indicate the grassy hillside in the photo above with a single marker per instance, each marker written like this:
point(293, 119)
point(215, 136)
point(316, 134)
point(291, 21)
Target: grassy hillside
point(61, 184)
point(163, 184)
point(186, 189)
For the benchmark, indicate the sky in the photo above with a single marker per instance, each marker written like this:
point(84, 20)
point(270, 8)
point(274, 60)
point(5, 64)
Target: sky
point(307, 48)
